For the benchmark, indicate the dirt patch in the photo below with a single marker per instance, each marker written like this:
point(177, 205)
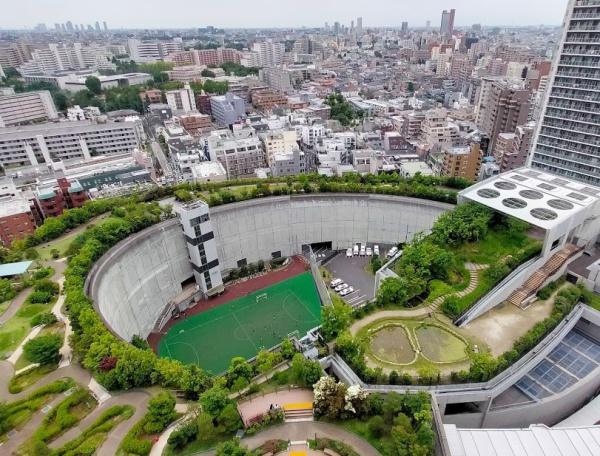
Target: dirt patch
point(391, 344)
point(439, 345)
point(501, 327)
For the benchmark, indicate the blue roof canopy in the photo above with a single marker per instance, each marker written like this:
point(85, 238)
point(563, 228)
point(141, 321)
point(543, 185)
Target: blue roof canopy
point(12, 269)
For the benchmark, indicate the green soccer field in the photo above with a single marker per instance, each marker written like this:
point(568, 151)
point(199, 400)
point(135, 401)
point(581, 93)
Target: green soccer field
point(243, 326)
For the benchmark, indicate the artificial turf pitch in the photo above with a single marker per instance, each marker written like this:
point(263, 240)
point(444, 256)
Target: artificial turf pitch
point(243, 326)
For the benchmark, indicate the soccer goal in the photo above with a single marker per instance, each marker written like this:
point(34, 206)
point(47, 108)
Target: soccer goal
point(262, 297)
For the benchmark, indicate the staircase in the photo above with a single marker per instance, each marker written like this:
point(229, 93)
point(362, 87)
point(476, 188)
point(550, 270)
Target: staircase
point(520, 297)
point(298, 412)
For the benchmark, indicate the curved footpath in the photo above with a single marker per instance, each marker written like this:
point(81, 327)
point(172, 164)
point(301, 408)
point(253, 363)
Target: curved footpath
point(474, 270)
point(305, 430)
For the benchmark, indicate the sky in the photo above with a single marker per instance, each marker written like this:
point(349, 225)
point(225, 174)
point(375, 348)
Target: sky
point(271, 13)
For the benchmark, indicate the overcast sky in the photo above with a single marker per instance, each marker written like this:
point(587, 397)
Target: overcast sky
point(273, 13)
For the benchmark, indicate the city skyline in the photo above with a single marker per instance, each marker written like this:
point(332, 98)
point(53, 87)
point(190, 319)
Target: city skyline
point(138, 14)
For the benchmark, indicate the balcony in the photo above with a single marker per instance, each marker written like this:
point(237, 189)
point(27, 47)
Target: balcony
point(575, 97)
point(570, 138)
point(583, 150)
point(570, 85)
point(567, 126)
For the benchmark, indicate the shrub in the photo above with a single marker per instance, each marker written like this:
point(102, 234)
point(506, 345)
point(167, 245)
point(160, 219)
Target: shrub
point(452, 307)
point(39, 297)
point(7, 291)
point(43, 349)
point(42, 273)
point(161, 412)
point(183, 435)
point(45, 318)
point(547, 291)
point(47, 286)
point(376, 426)
point(55, 254)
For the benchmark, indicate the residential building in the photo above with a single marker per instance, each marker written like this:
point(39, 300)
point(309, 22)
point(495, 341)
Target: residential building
point(567, 137)
point(288, 164)
point(53, 197)
point(16, 217)
point(437, 130)
point(208, 171)
point(268, 99)
point(151, 96)
point(46, 143)
point(182, 100)
point(277, 78)
point(195, 123)
point(107, 82)
point(278, 142)
point(269, 53)
point(463, 161)
point(28, 107)
point(312, 133)
point(513, 154)
point(227, 109)
point(503, 107)
point(151, 51)
point(186, 73)
point(239, 154)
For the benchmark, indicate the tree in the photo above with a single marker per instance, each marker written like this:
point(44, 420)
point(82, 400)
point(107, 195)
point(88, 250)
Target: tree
point(410, 87)
point(140, 343)
point(335, 319)
point(7, 291)
point(376, 426)
point(239, 368)
point(232, 448)
point(229, 418)
point(305, 371)
point(43, 349)
point(194, 381)
point(161, 412)
point(287, 349)
point(93, 84)
point(206, 73)
point(214, 400)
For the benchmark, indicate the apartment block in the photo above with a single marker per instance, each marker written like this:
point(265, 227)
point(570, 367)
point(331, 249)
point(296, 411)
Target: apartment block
point(464, 161)
point(227, 109)
point(567, 138)
point(55, 196)
point(46, 143)
point(182, 100)
point(268, 99)
point(239, 155)
point(16, 217)
point(28, 107)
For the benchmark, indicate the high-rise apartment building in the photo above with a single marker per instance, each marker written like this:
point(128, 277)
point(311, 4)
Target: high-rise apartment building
point(227, 109)
point(568, 137)
point(269, 53)
point(503, 105)
point(447, 25)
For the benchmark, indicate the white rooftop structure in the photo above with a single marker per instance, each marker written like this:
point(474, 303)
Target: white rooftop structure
point(563, 207)
point(208, 171)
point(537, 440)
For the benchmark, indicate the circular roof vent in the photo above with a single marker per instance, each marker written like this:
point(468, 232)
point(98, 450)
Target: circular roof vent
point(503, 185)
point(543, 214)
point(488, 193)
point(531, 194)
point(514, 203)
point(560, 204)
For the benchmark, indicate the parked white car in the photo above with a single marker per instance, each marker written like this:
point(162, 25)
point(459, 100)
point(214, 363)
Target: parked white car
point(369, 251)
point(376, 250)
point(341, 287)
point(335, 282)
point(346, 291)
point(393, 251)
point(355, 250)
point(363, 250)
point(349, 252)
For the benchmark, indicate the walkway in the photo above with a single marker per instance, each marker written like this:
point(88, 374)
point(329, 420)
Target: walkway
point(474, 269)
point(307, 430)
point(261, 404)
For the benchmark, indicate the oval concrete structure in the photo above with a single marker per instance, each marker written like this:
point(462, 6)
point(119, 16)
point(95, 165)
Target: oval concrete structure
point(132, 283)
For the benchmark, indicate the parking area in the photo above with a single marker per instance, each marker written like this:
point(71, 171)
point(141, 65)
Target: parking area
point(353, 271)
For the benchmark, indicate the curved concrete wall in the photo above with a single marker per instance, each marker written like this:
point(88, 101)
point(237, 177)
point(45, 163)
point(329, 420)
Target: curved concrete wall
point(254, 229)
point(132, 283)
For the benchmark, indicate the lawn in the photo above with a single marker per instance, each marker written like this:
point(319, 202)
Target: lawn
point(14, 330)
point(23, 381)
point(497, 244)
point(61, 244)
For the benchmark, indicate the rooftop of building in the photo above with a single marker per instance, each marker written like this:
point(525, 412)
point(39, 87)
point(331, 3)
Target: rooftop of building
point(537, 440)
point(61, 127)
point(208, 169)
point(540, 199)
point(13, 269)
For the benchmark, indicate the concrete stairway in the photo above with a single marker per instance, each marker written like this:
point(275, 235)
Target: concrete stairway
point(520, 296)
point(298, 412)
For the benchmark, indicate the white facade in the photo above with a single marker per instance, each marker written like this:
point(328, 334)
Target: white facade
point(269, 53)
point(27, 107)
point(181, 99)
point(201, 245)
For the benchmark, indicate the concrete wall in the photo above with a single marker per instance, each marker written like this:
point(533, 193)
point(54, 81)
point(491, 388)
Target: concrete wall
point(134, 281)
point(255, 229)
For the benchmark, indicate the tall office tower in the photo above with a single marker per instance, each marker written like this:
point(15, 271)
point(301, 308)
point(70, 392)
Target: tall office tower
point(447, 26)
point(427, 26)
point(336, 28)
point(404, 28)
point(359, 28)
point(69, 27)
point(568, 137)
point(97, 26)
point(105, 26)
